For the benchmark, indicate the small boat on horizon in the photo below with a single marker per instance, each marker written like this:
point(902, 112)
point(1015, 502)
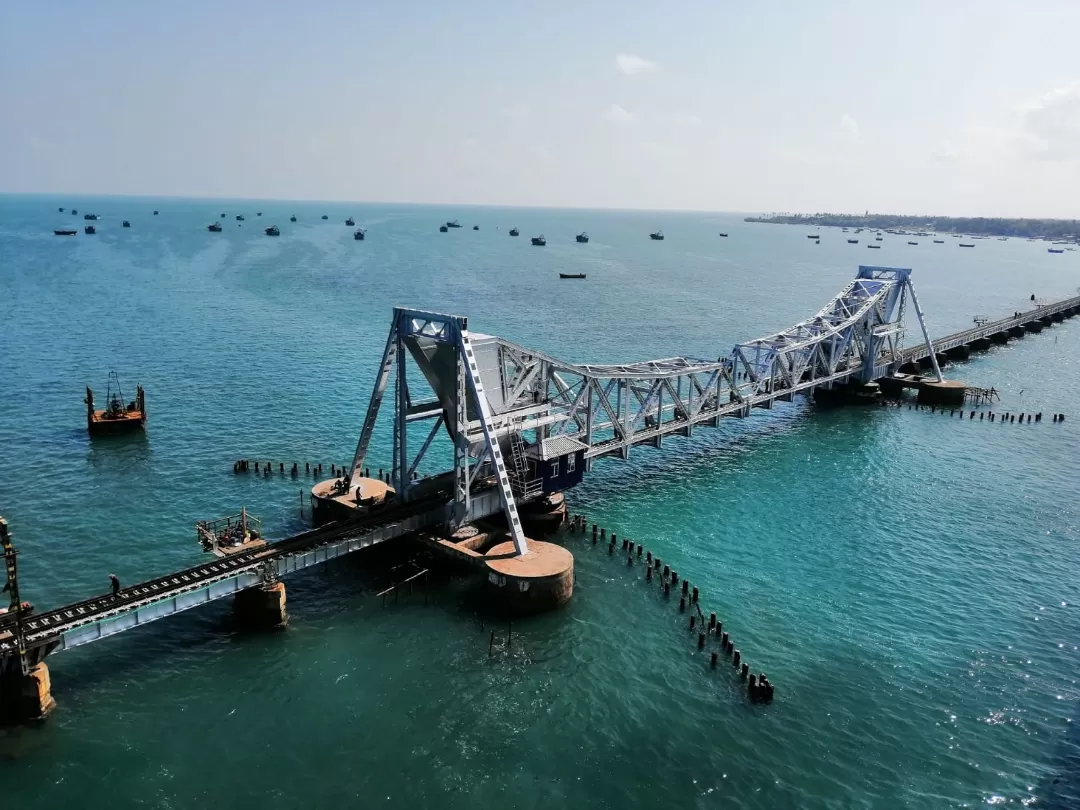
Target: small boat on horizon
point(571, 275)
point(443, 228)
point(74, 211)
point(239, 217)
point(514, 231)
point(939, 241)
point(1055, 250)
point(359, 235)
point(453, 224)
point(878, 238)
point(350, 222)
point(273, 231)
point(658, 235)
point(539, 241)
point(64, 232)
point(724, 235)
point(90, 229)
point(965, 244)
point(155, 213)
point(258, 213)
point(853, 241)
point(292, 218)
point(223, 215)
point(913, 243)
point(324, 216)
point(583, 238)
point(813, 236)
point(215, 228)
point(125, 224)
point(90, 216)
point(476, 227)
point(61, 210)
point(874, 247)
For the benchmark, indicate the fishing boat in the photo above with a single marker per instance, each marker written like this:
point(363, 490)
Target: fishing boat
point(539, 241)
point(258, 213)
point(453, 224)
point(853, 241)
point(476, 227)
point(155, 213)
point(724, 235)
point(1055, 250)
point(239, 217)
point(571, 275)
point(273, 231)
point(215, 228)
point(126, 224)
point(658, 235)
point(359, 235)
point(90, 229)
point(813, 236)
point(966, 244)
point(90, 216)
point(443, 228)
point(324, 216)
point(514, 231)
point(583, 238)
point(74, 211)
point(65, 232)
point(878, 238)
point(292, 218)
point(913, 243)
point(939, 241)
point(61, 210)
point(117, 417)
point(223, 215)
point(874, 247)
point(350, 222)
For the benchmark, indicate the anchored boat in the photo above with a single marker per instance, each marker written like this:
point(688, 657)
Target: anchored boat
point(239, 217)
point(292, 218)
point(583, 238)
point(359, 235)
point(571, 275)
point(1055, 250)
point(65, 232)
point(350, 222)
point(117, 417)
point(273, 231)
point(514, 231)
point(453, 224)
point(215, 228)
point(658, 235)
point(476, 227)
point(853, 241)
point(126, 224)
point(540, 241)
point(90, 216)
point(443, 228)
point(90, 229)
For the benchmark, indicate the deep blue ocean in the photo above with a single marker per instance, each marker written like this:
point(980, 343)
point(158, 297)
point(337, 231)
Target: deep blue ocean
point(907, 580)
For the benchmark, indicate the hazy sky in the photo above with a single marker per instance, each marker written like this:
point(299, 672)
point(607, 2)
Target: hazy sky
point(954, 107)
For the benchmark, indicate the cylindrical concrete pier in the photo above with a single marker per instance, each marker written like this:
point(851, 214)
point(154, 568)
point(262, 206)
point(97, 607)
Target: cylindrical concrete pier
point(541, 579)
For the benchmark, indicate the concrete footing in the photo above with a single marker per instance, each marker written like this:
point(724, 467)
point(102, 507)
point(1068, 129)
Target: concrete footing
point(261, 608)
point(960, 352)
point(1000, 338)
point(543, 517)
point(946, 392)
point(24, 698)
point(540, 580)
point(330, 502)
point(1034, 326)
point(982, 344)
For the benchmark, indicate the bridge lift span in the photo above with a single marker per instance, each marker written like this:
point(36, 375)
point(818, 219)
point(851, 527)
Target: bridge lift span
point(487, 391)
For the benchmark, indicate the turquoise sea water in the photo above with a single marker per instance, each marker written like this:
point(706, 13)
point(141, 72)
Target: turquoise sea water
point(908, 581)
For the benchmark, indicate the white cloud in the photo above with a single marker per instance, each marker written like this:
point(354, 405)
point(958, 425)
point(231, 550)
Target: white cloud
point(850, 126)
point(632, 65)
point(686, 120)
point(618, 114)
point(1050, 124)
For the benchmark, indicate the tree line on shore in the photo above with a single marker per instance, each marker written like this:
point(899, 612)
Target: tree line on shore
point(988, 226)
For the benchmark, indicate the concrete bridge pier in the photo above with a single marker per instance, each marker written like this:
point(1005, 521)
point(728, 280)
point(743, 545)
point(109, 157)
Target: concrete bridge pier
point(1000, 338)
point(261, 607)
point(982, 344)
point(1034, 326)
point(946, 392)
point(24, 698)
point(1017, 331)
point(960, 352)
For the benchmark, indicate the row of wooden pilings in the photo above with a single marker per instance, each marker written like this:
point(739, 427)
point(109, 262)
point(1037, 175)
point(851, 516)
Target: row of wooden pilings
point(989, 416)
point(758, 686)
point(269, 468)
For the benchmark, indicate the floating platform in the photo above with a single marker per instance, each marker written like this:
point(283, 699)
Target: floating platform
point(117, 418)
point(331, 501)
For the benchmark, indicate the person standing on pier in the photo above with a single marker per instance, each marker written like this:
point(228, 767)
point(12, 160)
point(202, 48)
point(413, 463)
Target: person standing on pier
point(115, 580)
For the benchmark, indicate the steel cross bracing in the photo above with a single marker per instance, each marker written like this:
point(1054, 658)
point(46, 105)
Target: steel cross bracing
point(858, 335)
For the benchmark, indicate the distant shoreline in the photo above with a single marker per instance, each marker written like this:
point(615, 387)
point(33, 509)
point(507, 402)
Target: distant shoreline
point(984, 226)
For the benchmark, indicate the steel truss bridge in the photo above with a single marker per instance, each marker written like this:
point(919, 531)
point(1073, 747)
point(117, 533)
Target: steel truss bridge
point(487, 391)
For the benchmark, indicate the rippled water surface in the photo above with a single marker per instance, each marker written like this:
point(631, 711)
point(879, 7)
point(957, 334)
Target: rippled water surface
point(909, 582)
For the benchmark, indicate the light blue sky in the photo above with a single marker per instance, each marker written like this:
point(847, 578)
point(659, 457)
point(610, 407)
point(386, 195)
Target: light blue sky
point(947, 107)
